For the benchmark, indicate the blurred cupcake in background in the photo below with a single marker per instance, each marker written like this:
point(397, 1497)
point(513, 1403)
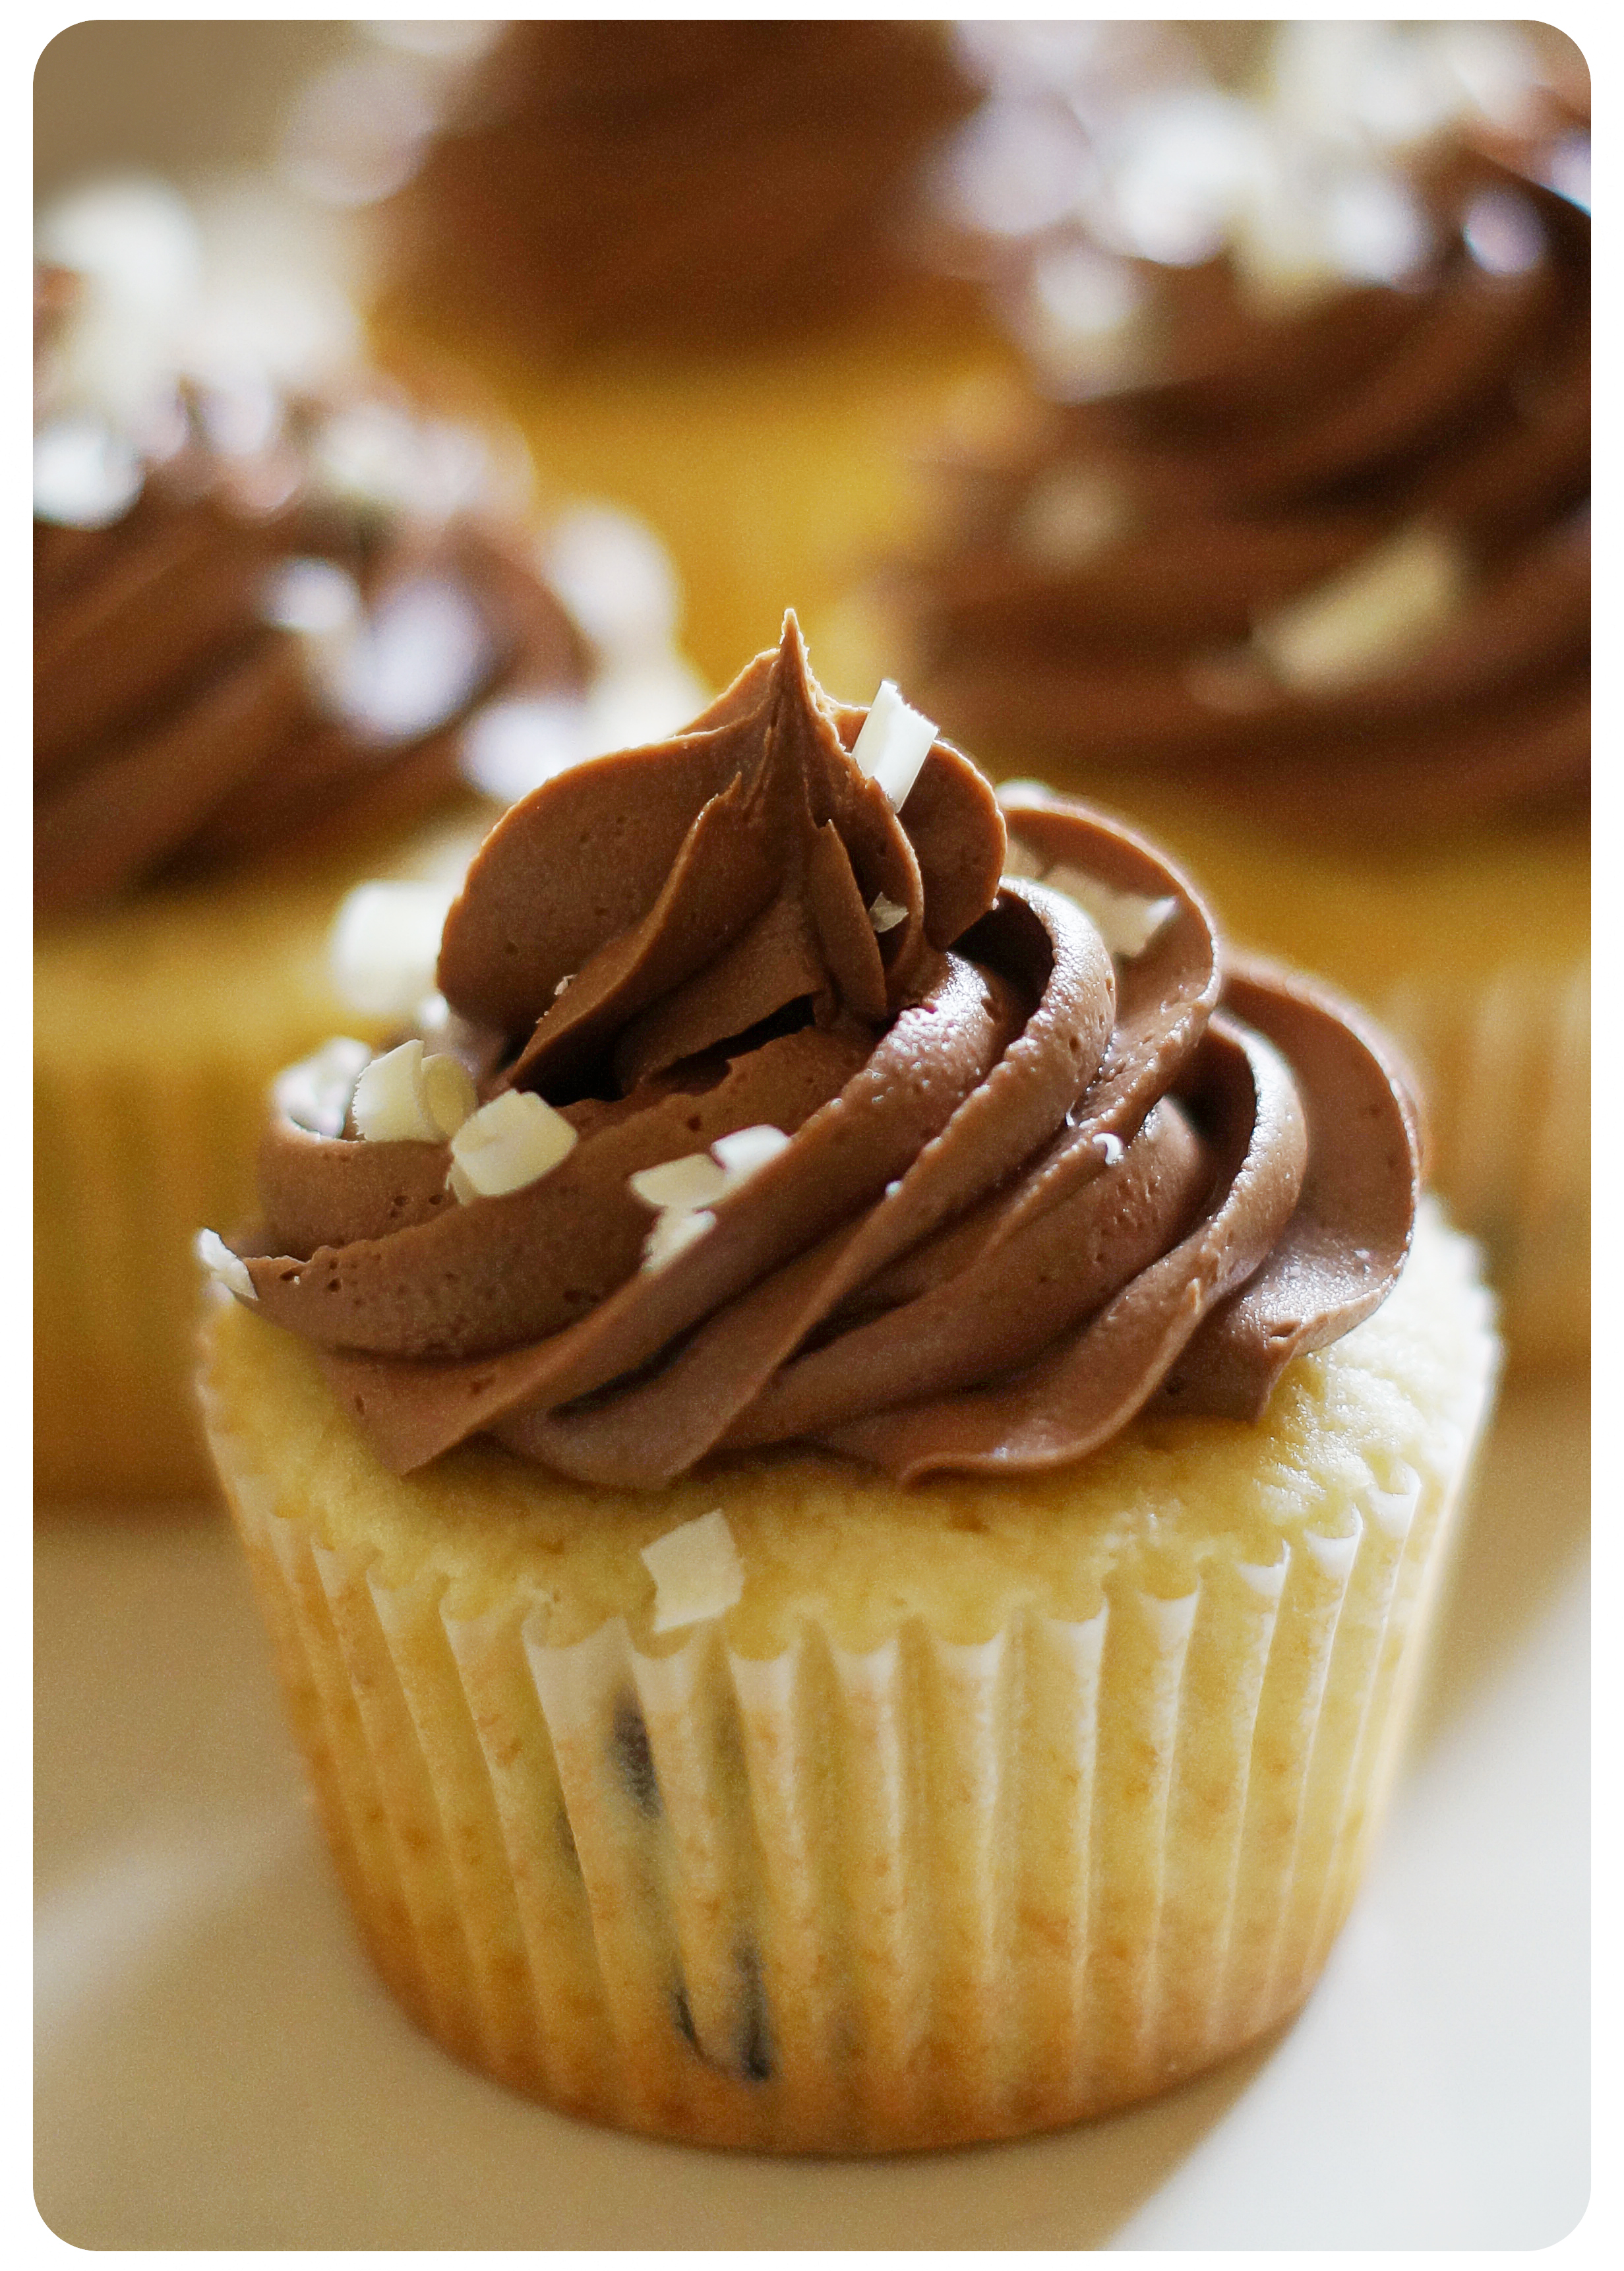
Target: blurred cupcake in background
point(289, 629)
point(691, 258)
point(1314, 605)
point(686, 186)
point(1110, 163)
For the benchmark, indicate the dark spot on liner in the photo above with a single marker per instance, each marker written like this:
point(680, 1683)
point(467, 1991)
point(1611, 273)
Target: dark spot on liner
point(682, 2018)
point(755, 2038)
point(633, 1758)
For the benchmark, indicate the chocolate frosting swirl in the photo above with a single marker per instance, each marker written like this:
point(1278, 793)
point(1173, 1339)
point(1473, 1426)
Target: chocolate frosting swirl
point(1334, 569)
point(1032, 1185)
point(231, 650)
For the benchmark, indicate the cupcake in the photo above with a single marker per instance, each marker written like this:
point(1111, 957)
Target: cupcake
point(1315, 608)
point(688, 257)
point(276, 633)
point(846, 1450)
point(675, 185)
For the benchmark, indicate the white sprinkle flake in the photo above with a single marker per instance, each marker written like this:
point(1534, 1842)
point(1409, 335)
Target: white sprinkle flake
point(1126, 922)
point(885, 914)
point(314, 1093)
point(225, 1267)
point(747, 1149)
point(699, 1178)
point(386, 944)
point(84, 474)
point(507, 1144)
point(1388, 605)
point(404, 1096)
point(686, 1189)
point(321, 605)
point(390, 1106)
point(679, 1185)
point(893, 744)
point(1110, 1146)
point(563, 984)
point(697, 1571)
point(675, 1229)
point(448, 1092)
point(1071, 513)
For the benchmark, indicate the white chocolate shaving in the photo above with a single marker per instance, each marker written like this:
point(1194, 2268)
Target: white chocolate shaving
point(696, 1180)
point(315, 1092)
point(747, 1149)
point(84, 474)
point(675, 1229)
point(507, 1144)
point(885, 914)
point(225, 1267)
point(386, 945)
point(1126, 922)
point(679, 1185)
point(1384, 609)
point(448, 1092)
point(321, 605)
point(391, 1106)
point(1070, 513)
point(893, 744)
point(697, 1571)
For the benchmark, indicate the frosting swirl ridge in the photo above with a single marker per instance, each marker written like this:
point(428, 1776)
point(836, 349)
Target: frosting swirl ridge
point(1020, 1153)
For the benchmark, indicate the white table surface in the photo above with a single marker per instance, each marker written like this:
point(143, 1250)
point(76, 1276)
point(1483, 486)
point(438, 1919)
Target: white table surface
point(217, 2067)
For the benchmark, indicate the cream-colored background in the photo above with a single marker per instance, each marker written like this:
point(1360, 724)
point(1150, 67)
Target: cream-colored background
point(176, 97)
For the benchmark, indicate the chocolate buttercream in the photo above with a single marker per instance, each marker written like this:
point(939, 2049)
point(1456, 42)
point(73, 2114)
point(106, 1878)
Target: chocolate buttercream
point(693, 185)
point(1035, 1182)
point(1335, 570)
point(234, 648)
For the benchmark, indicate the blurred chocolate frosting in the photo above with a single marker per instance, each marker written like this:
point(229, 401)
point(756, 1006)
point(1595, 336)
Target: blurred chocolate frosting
point(1333, 569)
point(281, 611)
point(685, 184)
point(229, 654)
point(1037, 1157)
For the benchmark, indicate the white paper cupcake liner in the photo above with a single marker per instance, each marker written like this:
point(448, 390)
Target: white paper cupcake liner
point(849, 1901)
point(1505, 1068)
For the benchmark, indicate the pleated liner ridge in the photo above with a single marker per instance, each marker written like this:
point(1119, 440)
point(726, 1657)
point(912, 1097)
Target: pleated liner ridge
point(861, 1902)
point(1506, 1064)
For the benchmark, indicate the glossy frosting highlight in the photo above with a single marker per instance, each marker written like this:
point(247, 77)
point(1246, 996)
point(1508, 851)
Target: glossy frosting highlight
point(1031, 1183)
